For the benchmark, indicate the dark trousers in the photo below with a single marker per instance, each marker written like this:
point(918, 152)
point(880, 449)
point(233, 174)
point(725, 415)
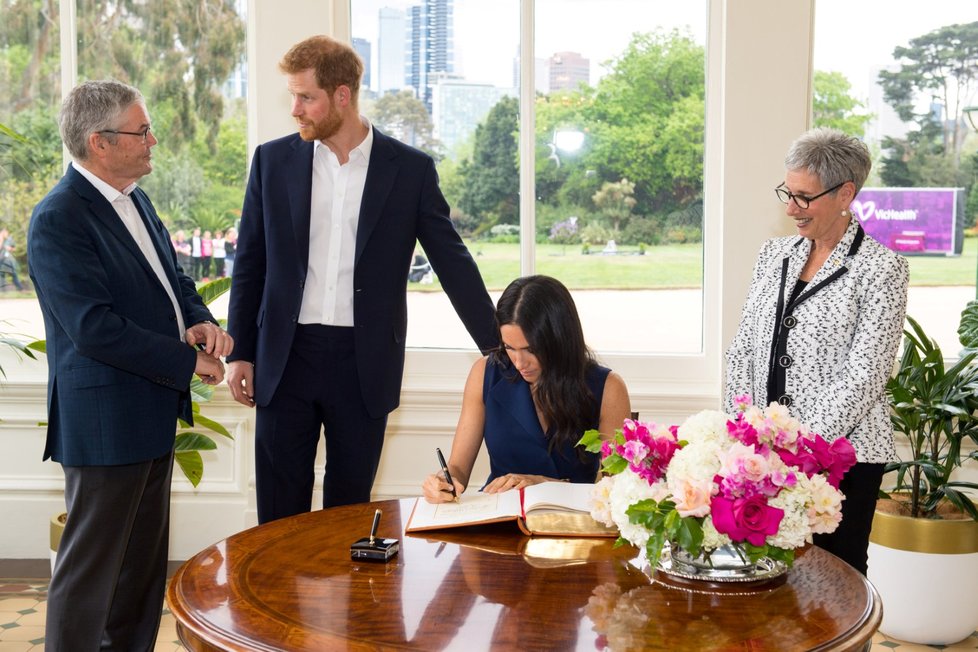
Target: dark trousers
point(850, 541)
point(106, 592)
point(319, 391)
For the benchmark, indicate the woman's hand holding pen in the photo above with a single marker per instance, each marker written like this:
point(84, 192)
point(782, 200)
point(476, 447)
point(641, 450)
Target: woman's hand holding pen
point(437, 490)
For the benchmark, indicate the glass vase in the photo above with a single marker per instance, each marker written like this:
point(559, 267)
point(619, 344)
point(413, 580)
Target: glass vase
point(728, 563)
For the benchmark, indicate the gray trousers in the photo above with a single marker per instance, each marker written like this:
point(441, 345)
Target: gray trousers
point(106, 592)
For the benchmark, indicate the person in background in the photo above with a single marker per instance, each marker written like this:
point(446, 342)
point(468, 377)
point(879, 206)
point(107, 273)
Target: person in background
point(182, 247)
point(206, 256)
point(532, 399)
point(8, 262)
point(318, 302)
point(230, 250)
point(822, 324)
point(122, 323)
point(219, 253)
point(196, 253)
point(419, 267)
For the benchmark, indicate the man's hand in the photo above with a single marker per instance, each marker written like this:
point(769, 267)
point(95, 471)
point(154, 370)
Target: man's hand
point(209, 368)
point(241, 381)
point(215, 340)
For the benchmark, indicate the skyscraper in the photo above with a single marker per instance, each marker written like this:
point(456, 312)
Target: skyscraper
point(362, 47)
point(431, 45)
point(568, 70)
point(391, 48)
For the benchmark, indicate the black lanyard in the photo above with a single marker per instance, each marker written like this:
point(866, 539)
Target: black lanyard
point(784, 319)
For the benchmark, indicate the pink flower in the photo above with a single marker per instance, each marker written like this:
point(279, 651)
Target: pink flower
point(815, 455)
point(742, 402)
point(742, 431)
point(746, 519)
point(692, 497)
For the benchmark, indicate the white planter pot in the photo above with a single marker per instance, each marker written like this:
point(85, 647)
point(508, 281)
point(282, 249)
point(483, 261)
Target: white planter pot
point(926, 573)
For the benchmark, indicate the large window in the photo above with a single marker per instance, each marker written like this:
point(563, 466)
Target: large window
point(30, 147)
point(188, 61)
point(618, 108)
point(900, 75)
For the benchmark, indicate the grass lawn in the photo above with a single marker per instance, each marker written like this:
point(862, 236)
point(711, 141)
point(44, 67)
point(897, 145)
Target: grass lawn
point(668, 266)
point(946, 270)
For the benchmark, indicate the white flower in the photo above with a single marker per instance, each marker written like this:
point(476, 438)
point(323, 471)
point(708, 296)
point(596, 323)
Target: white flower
point(601, 500)
point(628, 489)
point(793, 531)
point(708, 425)
point(711, 538)
point(699, 461)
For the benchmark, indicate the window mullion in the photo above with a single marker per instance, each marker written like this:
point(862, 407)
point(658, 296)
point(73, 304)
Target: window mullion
point(527, 140)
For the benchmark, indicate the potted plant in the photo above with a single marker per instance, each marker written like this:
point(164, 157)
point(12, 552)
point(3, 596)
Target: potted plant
point(925, 531)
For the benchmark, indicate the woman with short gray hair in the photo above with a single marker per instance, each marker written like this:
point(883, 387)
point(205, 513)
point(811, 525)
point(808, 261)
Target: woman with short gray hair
point(822, 324)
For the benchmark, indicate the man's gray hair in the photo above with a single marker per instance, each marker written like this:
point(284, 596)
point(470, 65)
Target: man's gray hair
point(831, 155)
point(91, 107)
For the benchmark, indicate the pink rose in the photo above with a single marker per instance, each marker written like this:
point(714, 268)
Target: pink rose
point(745, 519)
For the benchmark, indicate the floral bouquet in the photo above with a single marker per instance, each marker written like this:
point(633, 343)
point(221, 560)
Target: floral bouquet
point(758, 481)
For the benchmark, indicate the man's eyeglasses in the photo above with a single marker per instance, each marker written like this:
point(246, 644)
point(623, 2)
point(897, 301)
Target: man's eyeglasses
point(801, 200)
point(142, 133)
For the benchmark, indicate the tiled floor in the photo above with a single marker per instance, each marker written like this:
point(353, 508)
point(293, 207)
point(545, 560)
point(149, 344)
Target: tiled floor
point(23, 603)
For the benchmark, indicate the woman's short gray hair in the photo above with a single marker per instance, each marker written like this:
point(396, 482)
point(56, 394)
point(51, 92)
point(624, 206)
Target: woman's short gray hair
point(831, 155)
point(93, 106)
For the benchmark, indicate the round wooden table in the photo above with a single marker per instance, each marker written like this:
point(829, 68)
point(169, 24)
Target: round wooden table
point(291, 585)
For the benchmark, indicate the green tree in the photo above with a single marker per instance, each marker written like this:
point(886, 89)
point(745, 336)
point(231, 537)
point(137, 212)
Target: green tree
point(179, 54)
point(491, 177)
point(615, 201)
point(942, 66)
point(405, 117)
point(833, 105)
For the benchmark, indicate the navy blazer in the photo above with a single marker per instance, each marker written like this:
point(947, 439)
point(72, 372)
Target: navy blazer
point(401, 203)
point(118, 373)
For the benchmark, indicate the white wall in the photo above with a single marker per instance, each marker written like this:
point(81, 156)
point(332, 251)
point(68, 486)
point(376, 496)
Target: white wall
point(758, 99)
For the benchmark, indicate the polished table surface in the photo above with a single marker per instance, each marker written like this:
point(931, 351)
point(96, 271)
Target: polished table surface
point(291, 585)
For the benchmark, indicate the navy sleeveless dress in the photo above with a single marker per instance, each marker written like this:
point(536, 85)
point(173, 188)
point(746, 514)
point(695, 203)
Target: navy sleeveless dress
point(513, 435)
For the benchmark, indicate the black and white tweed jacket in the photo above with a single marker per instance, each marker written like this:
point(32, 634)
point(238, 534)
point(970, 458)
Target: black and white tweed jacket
point(842, 338)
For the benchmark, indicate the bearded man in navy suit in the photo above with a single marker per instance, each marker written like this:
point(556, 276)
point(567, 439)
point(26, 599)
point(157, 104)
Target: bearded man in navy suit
point(318, 305)
point(121, 320)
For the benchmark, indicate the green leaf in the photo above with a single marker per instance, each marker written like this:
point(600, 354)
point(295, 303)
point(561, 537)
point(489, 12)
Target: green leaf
point(614, 464)
point(968, 328)
point(191, 464)
point(200, 392)
point(40, 346)
point(591, 440)
point(211, 291)
point(206, 422)
point(193, 441)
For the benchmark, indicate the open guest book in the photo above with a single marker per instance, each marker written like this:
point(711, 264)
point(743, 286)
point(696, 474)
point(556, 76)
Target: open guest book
point(546, 509)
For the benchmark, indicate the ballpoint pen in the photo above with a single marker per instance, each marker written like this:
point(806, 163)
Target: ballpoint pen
point(448, 476)
point(373, 528)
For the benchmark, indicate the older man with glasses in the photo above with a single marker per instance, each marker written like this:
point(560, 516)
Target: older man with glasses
point(126, 331)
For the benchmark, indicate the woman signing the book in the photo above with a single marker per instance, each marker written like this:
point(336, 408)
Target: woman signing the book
point(532, 399)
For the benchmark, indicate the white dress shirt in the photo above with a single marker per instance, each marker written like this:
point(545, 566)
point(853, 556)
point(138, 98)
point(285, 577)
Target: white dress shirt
point(129, 214)
point(337, 191)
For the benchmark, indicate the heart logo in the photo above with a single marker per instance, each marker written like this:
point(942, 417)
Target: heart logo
point(863, 210)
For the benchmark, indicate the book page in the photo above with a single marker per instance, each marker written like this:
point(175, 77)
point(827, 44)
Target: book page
point(560, 496)
point(471, 509)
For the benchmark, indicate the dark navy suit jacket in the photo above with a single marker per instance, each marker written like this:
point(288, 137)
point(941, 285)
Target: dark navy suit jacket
point(401, 203)
point(118, 373)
